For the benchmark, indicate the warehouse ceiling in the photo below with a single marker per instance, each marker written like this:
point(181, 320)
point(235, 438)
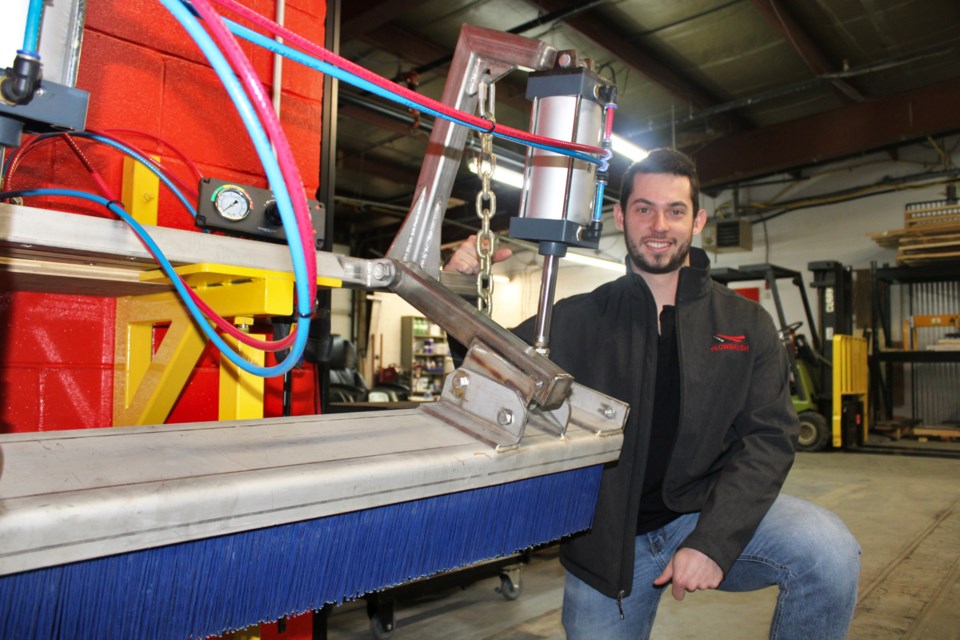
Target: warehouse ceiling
point(748, 87)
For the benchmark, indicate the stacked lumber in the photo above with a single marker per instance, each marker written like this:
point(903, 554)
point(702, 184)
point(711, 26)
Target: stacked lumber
point(930, 233)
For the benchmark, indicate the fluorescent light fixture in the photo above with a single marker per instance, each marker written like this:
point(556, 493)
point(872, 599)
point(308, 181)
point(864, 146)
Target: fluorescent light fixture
point(626, 148)
point(591, 261)
point(501, 174)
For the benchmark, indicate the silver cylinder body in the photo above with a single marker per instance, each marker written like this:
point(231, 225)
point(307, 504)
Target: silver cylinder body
point(558, 187)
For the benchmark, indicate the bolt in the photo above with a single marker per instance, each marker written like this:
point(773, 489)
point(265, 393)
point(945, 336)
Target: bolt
point(564, 60)
point(505, 417)
point(460, 383)
point(608, 412)
point(379, 271)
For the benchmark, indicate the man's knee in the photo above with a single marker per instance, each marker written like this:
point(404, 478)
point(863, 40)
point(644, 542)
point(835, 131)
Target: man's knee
point(823, 543)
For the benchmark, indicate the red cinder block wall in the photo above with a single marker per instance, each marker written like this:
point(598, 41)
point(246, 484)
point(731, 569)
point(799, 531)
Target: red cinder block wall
point(145, 74)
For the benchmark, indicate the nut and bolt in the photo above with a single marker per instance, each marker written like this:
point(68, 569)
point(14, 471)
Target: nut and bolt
point(505, 417)
point(608, 412)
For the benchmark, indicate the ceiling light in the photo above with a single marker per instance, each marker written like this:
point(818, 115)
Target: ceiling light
point(500, 174)
point(591, 261)
point(627, 149)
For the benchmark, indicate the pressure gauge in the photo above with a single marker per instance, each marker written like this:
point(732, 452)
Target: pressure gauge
point(232, 202)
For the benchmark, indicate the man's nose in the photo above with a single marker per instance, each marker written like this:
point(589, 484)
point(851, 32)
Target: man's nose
point(659, 222)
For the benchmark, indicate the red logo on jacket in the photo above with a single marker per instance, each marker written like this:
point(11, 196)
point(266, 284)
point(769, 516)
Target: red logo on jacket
point(726, 342)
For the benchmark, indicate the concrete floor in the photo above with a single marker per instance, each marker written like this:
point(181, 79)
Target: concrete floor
point(904, 510)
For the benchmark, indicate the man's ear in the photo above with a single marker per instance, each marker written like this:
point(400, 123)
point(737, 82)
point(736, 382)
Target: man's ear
point(699, 221)
point(618, 215)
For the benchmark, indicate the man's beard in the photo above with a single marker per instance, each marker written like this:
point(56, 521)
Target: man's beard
point(641, 263)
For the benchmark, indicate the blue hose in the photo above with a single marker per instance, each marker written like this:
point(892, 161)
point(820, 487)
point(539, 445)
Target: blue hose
point(303, 324)
point(260, 141)
point(31, 35)
point(362, 83)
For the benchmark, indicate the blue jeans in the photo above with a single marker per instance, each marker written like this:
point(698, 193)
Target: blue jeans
point(805, 550)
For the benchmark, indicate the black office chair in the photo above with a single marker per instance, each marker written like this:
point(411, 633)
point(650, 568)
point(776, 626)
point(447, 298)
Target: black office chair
point(346, 383)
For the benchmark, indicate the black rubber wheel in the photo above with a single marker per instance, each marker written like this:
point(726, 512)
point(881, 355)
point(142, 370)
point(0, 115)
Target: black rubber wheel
point(379, 629)
point(507, 588)
point(814, 433)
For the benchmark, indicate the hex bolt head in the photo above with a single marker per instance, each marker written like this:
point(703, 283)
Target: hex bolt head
point(381, 271)
point(460, 383)
point(505, 417)
point(608, 412)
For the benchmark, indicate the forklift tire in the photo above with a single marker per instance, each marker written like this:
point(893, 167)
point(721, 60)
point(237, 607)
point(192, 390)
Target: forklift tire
point(814, 434)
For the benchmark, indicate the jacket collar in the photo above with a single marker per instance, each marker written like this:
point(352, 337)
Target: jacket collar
point(694, 280)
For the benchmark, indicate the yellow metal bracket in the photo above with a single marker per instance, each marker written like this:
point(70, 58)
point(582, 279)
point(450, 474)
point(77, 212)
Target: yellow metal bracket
point(147, 383)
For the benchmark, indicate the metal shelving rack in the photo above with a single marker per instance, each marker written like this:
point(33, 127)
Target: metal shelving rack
point(934, 376)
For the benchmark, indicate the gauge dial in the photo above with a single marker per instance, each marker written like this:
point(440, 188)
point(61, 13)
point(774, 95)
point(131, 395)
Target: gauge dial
point(232, 202)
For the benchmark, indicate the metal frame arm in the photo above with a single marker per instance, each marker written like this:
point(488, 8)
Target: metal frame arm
point(479, 52)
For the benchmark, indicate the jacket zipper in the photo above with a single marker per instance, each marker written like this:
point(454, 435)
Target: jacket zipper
point(620, 603)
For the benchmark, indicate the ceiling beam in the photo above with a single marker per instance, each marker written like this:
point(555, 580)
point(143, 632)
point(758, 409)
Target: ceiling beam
point(404, 44)
point(382, 121)
point(811, 52)
point(606, 35)
point(362, 17)
point(395, 173)
point(420, 51)
point(843, 132)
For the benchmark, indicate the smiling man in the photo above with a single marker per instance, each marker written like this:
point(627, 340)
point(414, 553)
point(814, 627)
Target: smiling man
point(694, 501)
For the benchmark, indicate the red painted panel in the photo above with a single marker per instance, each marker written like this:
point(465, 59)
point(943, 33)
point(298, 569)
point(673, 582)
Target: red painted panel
point(143, 21)
point(298, 79)
point(301, 120)
point(125, 83)
point(197, 114)
point(58, 354)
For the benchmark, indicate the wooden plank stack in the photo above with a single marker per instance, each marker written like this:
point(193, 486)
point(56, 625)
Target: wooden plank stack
point(930, 233)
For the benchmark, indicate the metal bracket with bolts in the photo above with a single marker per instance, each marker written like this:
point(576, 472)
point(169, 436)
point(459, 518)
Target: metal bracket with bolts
point(490, 399)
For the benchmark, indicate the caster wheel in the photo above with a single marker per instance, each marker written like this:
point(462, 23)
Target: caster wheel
point(509, 589)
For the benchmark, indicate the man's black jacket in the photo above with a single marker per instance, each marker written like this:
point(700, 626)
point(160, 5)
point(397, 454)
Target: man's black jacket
point(737, 430)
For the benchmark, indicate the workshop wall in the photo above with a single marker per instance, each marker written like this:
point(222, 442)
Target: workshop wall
point(144, 74)
point(832, 232)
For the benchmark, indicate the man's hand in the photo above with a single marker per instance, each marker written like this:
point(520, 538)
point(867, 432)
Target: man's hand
point(689, 570)
point(465, 260)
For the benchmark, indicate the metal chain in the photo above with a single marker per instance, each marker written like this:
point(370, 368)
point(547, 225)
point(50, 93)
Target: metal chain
point(486, 202)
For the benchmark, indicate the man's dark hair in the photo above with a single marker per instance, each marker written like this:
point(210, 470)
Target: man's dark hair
point(662, 161)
